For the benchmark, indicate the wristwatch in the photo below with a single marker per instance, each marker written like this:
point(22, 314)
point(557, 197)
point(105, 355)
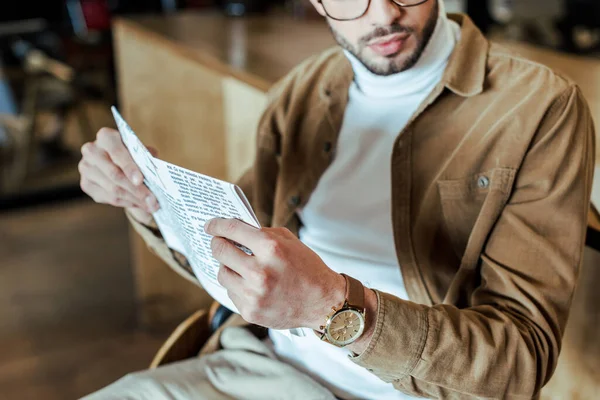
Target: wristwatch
point(346, 324)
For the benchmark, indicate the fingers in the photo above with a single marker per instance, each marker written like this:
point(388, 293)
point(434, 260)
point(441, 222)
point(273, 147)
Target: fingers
point(110, 141)
point(141, 215)
point(100, 195)
point(111, 185)
point(226, 253)
point(237, 231)
point(233, 283)
point(229, 279)
point(99, 158)
point(108, 164)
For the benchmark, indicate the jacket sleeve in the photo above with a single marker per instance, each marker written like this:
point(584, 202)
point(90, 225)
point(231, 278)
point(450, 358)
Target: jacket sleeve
point(506, 344)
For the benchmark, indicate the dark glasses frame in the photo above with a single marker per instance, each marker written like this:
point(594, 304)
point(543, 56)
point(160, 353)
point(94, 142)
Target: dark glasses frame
point(396, 2)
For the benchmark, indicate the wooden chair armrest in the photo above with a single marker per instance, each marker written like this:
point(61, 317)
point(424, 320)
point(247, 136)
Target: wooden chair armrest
point(594, 219)
point(592, 239)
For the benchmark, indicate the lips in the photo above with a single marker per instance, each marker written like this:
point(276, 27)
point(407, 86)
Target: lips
point(389, 46)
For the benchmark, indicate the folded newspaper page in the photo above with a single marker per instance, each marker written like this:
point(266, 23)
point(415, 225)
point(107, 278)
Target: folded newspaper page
point(187, 201)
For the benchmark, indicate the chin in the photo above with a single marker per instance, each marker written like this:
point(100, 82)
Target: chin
point(400, 60)
point(381, 65)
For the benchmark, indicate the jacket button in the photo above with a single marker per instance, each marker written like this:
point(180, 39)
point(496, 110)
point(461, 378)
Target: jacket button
point(327, 147)
point(295, 201)
point(483, 182)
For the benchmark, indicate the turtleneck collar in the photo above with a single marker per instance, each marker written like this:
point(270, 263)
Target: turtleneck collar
point(422, 75)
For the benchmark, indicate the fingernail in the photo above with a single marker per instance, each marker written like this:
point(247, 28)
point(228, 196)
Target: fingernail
point(207, 225)
point(152, 204)
point(137, 178)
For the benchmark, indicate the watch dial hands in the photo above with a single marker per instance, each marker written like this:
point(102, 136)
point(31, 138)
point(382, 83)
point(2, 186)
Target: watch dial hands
point(338, 329)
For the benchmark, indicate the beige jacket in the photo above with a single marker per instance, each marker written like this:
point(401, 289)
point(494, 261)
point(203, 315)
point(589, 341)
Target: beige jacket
point(491, 189)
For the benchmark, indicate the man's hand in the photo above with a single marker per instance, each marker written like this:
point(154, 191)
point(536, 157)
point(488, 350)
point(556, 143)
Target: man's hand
point(110, 176)
point(284, 285)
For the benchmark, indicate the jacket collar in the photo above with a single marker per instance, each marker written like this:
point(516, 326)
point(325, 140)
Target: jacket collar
point(466, 70)
point(464, 75)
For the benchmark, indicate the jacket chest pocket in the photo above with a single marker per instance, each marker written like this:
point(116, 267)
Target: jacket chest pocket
point(472, 205)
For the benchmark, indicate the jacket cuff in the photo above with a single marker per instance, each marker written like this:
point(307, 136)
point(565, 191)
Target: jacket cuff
point(399, 338)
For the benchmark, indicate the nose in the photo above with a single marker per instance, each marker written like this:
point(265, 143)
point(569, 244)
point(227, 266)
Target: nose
point(384, 12)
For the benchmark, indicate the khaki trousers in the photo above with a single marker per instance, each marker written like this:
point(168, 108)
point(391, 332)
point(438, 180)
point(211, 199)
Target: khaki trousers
point(245, 368)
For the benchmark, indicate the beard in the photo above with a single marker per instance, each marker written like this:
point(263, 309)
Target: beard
point(392, 65)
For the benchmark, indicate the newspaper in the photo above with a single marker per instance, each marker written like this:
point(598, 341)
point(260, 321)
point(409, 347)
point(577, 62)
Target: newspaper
point(187, 201)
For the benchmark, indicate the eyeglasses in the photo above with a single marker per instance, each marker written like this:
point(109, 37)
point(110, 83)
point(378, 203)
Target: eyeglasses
point(348, 10)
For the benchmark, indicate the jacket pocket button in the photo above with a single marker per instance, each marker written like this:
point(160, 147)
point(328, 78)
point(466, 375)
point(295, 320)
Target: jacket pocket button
point(483, 182)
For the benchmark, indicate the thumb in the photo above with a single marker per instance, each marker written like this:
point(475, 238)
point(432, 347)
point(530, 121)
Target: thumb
point(152, 151)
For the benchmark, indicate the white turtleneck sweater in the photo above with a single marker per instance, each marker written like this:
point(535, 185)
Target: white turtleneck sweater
point(347, 220)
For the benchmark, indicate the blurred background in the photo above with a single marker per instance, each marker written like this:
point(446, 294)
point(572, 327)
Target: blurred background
point(82, 302)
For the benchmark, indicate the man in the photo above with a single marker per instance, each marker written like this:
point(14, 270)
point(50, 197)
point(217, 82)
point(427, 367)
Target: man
point(446, 178)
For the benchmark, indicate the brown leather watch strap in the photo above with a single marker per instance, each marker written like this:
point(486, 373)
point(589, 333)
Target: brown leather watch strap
point(355, 293)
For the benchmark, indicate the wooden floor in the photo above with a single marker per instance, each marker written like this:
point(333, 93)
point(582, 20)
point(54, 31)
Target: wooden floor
point(67, 323)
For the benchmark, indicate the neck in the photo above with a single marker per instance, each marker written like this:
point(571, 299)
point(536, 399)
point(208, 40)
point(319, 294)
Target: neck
point(430, 66)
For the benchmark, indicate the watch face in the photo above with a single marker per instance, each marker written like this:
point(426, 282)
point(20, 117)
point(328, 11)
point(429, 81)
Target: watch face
point(345, 327)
